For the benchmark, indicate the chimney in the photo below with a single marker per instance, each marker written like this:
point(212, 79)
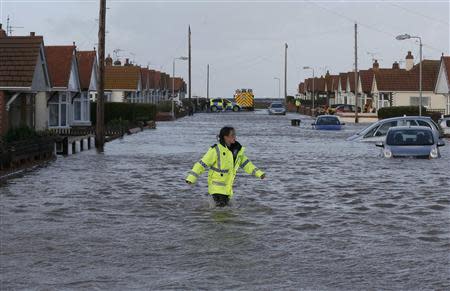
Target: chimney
point(127, 62)
point(375, 65)
point(32, 33)
point(409, 63)
point(2, 32)
point(395, 66)
point(108, 61)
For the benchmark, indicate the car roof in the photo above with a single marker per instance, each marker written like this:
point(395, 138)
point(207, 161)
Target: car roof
point(406, 117)
point(398, 128)
point(328, 116)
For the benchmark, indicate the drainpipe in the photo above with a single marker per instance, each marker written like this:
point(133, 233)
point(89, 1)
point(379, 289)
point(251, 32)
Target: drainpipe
point(13, 98)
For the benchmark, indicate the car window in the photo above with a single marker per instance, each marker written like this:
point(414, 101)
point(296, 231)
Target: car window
point(423, 123)
point(383, 129)
point(409, 137)
point(448, 123)
point(276, 105)
point(409, 122)
point(371, 132)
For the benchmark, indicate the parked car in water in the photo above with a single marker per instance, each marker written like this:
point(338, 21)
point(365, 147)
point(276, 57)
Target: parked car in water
point(327, 122)
point(378, 130)
point(444, 123)
point(276, 108)
point(411, 141)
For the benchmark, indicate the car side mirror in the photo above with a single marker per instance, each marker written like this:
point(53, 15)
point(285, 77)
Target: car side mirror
point(379, 144)
point(440, 143)
point(313, 124)
point(343, 123)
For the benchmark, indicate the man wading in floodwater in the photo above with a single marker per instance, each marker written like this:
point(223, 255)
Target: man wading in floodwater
point(223, 161)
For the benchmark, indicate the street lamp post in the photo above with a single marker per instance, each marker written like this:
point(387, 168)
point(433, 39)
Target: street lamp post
point(173, 83)
point(313, 95)
point(407, 36)
point(279, 86)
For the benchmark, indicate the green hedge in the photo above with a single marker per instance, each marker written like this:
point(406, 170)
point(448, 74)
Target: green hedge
point(396, 111)
point(125, 111)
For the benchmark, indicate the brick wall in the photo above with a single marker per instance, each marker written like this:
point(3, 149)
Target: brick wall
point(3, 114)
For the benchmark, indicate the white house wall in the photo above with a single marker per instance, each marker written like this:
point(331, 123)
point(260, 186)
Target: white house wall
point(117, 96)
point(442, 84)
point(41, 111)
point(438, 101)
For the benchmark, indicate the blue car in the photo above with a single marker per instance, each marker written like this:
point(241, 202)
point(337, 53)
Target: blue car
point(327, 122)
point(411, 141)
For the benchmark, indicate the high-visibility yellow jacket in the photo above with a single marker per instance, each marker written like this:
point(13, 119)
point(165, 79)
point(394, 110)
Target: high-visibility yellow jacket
point(222, 169)
point(297, 102)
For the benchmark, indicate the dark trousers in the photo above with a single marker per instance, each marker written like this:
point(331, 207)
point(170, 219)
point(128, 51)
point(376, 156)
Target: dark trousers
point(221, 200)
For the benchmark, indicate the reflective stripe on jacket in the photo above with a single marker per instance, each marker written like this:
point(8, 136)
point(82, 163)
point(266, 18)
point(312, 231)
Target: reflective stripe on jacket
point(222, 169)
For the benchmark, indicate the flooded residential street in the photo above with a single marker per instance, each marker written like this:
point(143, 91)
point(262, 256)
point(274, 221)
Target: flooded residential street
point(331, 215)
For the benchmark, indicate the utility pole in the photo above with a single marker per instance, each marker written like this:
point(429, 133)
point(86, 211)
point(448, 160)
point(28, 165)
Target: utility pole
point(285, 71)
point(356, 73)
point(207, 83)
point(190, 60)
point(100, 123)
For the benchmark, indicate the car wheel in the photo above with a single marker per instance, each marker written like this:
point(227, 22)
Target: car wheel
point(235, 108)
point(214, 109)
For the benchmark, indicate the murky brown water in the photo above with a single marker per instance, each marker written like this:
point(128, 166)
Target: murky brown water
point(331, 215)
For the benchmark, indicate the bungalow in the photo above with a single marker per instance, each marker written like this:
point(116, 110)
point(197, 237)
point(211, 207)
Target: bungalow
point(57, 109)
point(23, 74)
point(180, 88)
point(400, 87)
point(342, 97)
point(157, 89)
point(331, 82)
point(122, 83)
point(443, 81)
point(88, 69)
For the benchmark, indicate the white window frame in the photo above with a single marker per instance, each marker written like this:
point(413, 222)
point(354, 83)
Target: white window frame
point(60, 103)
point(424, 101)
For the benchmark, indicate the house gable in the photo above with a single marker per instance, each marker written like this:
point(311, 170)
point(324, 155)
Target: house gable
point(74, 80)
point(41, 78)
point(93, 82)
point(442, 83)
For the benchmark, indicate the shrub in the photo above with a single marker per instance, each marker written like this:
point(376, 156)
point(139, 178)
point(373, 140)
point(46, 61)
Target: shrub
point(132, 112)
point(20, 133)
point(396, 111)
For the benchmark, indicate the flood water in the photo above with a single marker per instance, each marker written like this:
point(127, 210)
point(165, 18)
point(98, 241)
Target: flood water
point(331, 215)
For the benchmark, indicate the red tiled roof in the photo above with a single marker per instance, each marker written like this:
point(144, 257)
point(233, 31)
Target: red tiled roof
point(86, 61)
point(402, 80)
point(366, 77)
point(59, 60)
point(122, 77)
point(179, 84)
point(18, 56)
point(144, 77)
point(157, 80)
point(446, 61)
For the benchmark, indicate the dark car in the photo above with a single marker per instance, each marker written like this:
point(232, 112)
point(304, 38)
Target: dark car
point(346, 108)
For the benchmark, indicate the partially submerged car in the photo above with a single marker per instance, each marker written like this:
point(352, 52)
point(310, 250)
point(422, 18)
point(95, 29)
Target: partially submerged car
point(276, 108)
point(444, 123)
point(411, 141)
point(377, 131)
point(327, 122)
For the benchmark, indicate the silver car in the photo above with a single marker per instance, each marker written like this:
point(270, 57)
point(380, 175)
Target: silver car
point(276, 108)
point(444, 123)
point(411, 141)
point(377, 132)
